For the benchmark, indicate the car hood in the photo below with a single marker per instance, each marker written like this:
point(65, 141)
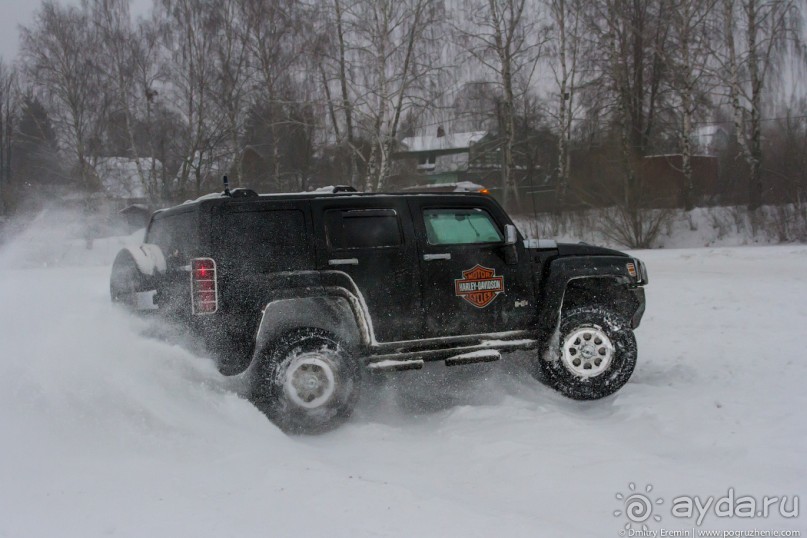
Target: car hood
point(571, 249)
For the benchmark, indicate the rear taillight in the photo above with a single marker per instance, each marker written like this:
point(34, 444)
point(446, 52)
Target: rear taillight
point(204, 286)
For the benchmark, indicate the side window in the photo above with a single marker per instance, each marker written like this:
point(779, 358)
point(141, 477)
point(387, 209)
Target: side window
point(363, 228)
point(460, 226)
point(264, 240)
point(176, 235)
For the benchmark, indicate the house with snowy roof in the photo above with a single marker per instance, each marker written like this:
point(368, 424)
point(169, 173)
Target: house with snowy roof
point(444, 159)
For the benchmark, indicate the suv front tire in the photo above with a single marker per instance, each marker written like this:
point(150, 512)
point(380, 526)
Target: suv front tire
point(594, 355)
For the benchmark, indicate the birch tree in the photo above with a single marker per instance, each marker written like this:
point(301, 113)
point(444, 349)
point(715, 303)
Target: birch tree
point(232, 73)
point(8, 121)
point(330, 54)
point(688, 59)
point(504, 37)
point(755, 33)
point(568, 46)
point(388, 43)
point(188, 40)
point(274, 40)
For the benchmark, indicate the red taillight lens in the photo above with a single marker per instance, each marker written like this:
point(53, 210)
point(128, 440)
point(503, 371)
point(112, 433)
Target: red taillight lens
point(204, 286)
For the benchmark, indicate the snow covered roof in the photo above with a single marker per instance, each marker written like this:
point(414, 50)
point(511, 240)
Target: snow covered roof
point(451, 141)
point(705, 131)
point(458, 186)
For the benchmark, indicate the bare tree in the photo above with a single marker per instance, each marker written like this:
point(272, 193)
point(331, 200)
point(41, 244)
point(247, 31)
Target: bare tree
point(59, 50)
point(8, 120)
point(631, 37)
point(130, 70)
point(755, 33)
point(189, 38)
point(232, 73)
point(330, 54)
point(274, 42)
point(687, 57)
point(568, 45)
point(387, 43)
point(503, 36)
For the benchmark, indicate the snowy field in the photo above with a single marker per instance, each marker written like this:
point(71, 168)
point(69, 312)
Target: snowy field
point(107, 431)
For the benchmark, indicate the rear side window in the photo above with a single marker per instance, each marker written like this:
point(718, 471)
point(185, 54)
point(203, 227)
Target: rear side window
point(363, 228)
point(263, 241)
point(460, 226)
point(176, 235)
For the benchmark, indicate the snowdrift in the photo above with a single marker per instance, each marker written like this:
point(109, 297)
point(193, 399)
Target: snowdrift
point(109, 430)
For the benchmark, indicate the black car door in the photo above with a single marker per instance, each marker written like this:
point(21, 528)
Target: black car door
point(468, 286)
point(372, 241)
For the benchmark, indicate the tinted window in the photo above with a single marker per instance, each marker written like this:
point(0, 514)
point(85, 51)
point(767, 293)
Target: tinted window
point(264, 240)
point(176, 235)
point(372, 228)
point(460, 226)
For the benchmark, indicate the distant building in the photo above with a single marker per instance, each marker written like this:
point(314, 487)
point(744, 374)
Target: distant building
point(663, 179)
point(710, 139)
point(136, 216)
point(598, 179)
point(448, 158)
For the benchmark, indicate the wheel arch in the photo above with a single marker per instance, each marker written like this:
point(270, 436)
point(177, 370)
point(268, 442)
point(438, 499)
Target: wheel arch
point(148, 258)
point(589, 280)
point(332, 312)
point(609, 292)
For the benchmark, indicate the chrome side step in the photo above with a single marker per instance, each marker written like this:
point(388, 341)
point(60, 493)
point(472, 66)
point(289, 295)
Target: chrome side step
point(442, 354)
point(484, 355)
point(399, 366)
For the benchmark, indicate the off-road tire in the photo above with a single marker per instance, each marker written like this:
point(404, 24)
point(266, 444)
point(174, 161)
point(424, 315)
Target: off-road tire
point(125, 281)
point(273, 390)
point(562, 364)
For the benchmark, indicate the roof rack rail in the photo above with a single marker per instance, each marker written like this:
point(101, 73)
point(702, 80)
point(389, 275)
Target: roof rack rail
point(343, 188)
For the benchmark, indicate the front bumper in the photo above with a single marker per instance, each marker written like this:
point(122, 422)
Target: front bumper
point(638, 294)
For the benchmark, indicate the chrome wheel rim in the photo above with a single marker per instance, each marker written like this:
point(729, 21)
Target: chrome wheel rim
point(310, 381)
point(587, 352)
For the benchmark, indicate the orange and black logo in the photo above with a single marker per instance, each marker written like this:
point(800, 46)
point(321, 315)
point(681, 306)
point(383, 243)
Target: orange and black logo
point(479, 286)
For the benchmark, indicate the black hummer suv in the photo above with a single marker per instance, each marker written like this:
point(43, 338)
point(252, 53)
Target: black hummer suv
point(303, 293)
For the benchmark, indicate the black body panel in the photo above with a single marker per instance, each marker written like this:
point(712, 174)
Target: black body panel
point(391, 275)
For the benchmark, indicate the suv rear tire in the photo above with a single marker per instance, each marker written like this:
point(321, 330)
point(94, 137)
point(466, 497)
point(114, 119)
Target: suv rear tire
point(594, 355)
point(125, 281)
point(308, 383)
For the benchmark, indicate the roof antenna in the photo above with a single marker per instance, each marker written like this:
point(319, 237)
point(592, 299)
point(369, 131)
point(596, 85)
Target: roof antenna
point(226, 186)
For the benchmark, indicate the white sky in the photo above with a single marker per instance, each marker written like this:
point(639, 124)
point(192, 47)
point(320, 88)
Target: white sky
point(16, 12)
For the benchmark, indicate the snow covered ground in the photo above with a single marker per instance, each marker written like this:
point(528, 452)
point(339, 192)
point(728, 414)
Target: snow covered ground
point(107, 431)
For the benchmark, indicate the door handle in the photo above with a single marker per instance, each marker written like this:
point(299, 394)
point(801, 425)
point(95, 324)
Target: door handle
point(344, 261)
point(430, 257)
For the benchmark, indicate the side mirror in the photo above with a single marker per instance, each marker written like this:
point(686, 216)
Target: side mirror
point(510, 240)
point(510, 234)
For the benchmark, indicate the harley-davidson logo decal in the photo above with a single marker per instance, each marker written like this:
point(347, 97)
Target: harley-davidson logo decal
point(479, 286)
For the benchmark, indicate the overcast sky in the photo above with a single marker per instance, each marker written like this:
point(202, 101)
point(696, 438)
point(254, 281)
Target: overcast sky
point(16, 12)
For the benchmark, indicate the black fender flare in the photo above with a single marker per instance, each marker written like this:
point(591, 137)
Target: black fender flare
point(331, 309)
point(136, 269)
point(562, 271)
